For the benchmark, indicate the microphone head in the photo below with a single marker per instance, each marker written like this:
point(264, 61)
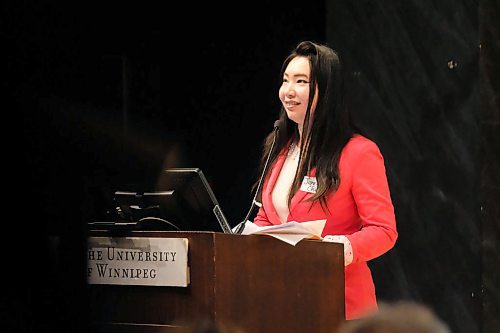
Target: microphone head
point(276, 124)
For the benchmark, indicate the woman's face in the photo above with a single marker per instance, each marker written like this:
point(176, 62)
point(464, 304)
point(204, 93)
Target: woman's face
point(294, 91)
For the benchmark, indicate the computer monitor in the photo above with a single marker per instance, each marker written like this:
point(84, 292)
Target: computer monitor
point(182, 200)
point(191, 205)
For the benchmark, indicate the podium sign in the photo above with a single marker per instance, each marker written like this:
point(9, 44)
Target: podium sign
point(144, 261)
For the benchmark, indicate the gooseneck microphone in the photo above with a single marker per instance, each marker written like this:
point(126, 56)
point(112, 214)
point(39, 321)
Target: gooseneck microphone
point(239, 229)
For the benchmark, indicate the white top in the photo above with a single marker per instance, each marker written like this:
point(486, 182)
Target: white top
point(284, 183)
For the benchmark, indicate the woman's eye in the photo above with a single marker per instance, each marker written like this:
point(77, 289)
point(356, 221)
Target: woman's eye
point(302, 81)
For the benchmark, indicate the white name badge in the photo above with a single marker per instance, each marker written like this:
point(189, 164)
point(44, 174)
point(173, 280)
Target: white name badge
point(309, 184)
point(138, 261)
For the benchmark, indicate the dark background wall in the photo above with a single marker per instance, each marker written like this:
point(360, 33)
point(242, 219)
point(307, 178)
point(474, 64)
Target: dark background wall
point(489, 82)
point(95, 118)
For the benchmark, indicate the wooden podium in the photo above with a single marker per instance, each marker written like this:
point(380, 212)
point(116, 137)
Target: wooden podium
point(252, 283)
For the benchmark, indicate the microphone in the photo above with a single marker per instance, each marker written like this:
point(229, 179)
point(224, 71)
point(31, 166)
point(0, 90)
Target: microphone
point(255, 203)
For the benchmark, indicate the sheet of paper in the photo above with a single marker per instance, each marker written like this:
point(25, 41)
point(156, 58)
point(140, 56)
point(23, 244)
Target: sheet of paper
point(290, 232)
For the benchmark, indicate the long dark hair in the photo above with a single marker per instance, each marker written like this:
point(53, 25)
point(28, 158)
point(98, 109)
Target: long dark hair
point(326, 133)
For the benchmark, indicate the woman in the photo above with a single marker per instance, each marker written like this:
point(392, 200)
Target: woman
point(320, 168)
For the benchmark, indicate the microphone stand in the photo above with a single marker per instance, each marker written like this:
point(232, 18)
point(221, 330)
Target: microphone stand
point(241, 226)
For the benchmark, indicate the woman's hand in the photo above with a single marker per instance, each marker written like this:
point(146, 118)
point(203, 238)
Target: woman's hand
point(348, 255)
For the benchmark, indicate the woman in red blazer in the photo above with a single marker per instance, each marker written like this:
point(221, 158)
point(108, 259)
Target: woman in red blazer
point(320, 168)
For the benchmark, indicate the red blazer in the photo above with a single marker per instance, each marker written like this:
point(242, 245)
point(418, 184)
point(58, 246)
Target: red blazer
point(361, 209)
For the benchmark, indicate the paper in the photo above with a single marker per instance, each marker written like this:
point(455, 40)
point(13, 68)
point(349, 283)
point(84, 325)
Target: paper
point(290, 232)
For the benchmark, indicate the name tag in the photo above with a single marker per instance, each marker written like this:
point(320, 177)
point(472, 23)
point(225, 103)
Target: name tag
point(309, 184)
